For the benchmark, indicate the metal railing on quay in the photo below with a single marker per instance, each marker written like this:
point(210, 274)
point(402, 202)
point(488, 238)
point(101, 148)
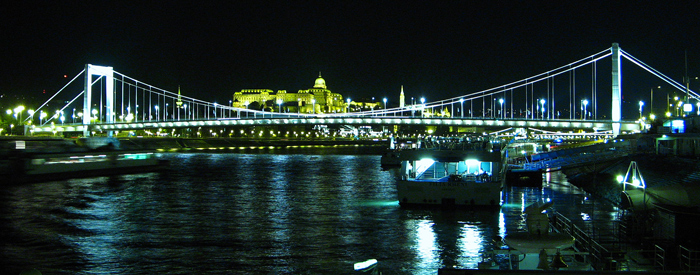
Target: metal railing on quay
point(659, 257)
point(689, 259)
point(583, 242)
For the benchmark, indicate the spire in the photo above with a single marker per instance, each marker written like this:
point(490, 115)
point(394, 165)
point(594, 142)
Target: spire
point(319, 74)
point(402, 99)
point(179, 100)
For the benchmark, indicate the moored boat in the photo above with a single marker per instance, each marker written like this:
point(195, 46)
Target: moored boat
point(470, 176)
point(47, 164)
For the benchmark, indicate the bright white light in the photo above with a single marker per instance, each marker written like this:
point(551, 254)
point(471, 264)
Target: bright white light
point(687, 107)
point(365, 264)
point(472, 162)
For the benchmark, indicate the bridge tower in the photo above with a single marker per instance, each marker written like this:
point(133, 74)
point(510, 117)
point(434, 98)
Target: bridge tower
point(108, 73)
point(616, 89)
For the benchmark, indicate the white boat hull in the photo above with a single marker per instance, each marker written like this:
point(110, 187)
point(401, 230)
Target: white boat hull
point(449, 193)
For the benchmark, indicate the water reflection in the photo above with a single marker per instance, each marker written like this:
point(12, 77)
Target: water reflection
point(254, 213)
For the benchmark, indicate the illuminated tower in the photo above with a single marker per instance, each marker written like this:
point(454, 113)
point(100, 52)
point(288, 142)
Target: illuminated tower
point(179, 99)
point(402, 98)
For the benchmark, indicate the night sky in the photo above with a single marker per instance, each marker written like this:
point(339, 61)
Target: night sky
point(436, 49)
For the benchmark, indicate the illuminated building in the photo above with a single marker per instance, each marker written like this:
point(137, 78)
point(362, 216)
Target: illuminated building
point(315, 100)
point(402, 98)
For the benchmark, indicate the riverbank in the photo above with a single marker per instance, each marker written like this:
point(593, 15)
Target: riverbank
point(600, 179)
point(375, 146)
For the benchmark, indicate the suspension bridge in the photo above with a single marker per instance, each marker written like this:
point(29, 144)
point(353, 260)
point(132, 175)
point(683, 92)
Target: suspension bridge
point(113, 102)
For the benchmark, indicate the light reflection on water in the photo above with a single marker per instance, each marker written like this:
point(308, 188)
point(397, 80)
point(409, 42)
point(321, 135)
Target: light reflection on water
point(252, 213)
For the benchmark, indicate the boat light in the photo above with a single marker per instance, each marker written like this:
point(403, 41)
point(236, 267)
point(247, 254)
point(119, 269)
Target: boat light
point(368, 264)
point(472, 162)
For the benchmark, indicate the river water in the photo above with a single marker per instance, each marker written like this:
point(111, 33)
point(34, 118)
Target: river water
point(291, 211)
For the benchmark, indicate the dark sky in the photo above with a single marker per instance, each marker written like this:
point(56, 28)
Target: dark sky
point(436, 49)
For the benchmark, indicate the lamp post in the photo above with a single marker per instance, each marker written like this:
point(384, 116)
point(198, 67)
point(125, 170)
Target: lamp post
point(184, 107)
point(542, 101)
point(641, 105)
point(651, 98)
point(313, 105)
point(385, 106)
point(502, 113)
point(42, 115)
point(347, 107)
point(18, 111)
point(279, 105)
point(31, 116)
point(585, 108)
point(422, 107)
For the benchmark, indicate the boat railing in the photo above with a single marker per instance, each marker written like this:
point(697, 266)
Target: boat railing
point(572, 160)
point(482, 178)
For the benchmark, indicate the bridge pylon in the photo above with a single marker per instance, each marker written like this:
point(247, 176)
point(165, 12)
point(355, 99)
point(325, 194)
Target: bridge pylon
point(108, 73)
point(616, 89)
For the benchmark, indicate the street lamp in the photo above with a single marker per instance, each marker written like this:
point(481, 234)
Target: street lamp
point(385, 106)
point(348, 105)
point(313, 105)
point(31, 116)
point(542, 101)
point(585, 108)
point(19, 110)
point(422, 107)
point(42, 115)
point(641, 105)
point(279, 105)
point(502, 113)
point(651, 97)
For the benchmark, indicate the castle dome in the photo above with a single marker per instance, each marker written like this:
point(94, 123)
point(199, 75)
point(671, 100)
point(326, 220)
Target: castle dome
point(320, 82)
